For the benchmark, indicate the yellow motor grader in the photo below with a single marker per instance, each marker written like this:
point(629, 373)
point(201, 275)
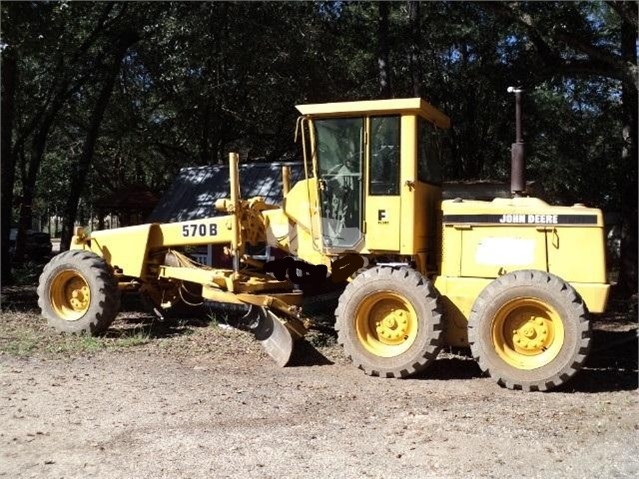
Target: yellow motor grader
point(514, 279)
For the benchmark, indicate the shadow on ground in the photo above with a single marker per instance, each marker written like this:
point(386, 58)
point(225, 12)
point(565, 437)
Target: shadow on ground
point(611, 365)
point(305, 354)
point(22, 299)
point(135, 319)
point(183, 321)
point(462, 366)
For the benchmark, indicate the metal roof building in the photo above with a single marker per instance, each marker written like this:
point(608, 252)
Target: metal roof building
point(193, 193)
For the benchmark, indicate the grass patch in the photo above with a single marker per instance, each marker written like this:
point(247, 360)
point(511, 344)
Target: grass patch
point(218, 319)
point(24, 332)
point(27, 334)
point(138, 338)
point(321, 339)
point(19, 346)
point(74, 344)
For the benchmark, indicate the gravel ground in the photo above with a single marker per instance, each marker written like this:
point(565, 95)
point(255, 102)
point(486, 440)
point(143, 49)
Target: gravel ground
point(191, 399)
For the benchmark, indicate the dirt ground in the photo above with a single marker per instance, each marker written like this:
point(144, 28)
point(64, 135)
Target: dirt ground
point(190, 398)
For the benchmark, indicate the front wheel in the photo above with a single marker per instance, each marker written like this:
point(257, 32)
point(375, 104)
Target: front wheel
point(389, 322)
point(78, 293)
point(529, 330)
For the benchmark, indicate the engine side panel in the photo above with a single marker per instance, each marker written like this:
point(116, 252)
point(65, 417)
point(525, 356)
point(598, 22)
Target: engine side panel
point(484, 240)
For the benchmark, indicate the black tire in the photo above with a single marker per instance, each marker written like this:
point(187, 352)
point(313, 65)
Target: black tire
point(529, 330)
point(396, 295)
point(78, 293)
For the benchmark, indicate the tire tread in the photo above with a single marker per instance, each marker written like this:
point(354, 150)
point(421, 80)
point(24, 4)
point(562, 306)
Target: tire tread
point(407, 278)
point(551, 284)
point(105, 298)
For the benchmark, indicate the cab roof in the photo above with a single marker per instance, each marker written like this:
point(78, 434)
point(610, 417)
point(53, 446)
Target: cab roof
point(401, 106)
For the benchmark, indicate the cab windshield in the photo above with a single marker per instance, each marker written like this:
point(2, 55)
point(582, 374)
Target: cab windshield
point(340, 151)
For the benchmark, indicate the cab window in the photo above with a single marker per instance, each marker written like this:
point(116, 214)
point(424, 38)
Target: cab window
point(340, 147)
point(384, 155)
point(429, 169)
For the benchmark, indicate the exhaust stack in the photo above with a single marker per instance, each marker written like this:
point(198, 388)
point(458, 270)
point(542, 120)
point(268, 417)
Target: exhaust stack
point(517, 160)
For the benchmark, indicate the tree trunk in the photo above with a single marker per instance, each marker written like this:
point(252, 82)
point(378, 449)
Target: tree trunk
point(9, 76)
point(413, 58)
point(29, 179)
point(383, 62)
point(66, 83)
point(628, 268)
point(78, 180)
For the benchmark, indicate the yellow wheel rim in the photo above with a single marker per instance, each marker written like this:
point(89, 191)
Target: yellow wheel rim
point(527, 333)
point(70, 295)
point(386, 324)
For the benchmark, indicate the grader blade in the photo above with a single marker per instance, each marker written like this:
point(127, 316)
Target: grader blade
point(275, 337)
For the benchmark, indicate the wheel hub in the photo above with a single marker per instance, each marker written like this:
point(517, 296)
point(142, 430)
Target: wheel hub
point(527, 333)
point(532, 335)
point(70, 295)
point(394, 324)
point(79, 294)
point(386, 324)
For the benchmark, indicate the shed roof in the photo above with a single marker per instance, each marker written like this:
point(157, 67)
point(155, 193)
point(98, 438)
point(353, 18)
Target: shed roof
point(193, 193)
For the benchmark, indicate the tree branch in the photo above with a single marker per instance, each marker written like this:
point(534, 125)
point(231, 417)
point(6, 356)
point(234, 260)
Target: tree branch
point(601, 61)
point(626, 10)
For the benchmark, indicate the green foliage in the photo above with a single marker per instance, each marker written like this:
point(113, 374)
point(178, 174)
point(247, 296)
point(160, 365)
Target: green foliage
point(206, 78)
point(577, 143)
point(24, 333)
point(28, 273)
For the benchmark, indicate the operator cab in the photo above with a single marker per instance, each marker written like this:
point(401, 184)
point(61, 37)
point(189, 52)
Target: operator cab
point(378, 168)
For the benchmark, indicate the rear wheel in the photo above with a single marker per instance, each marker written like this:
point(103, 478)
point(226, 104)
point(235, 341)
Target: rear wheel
point(389, 322)
point(529, 330)
point(77, 293)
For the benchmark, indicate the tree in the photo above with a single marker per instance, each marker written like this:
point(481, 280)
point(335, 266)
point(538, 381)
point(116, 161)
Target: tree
point(414, 20)
point(383, 60)
point(569, 41)
point(60, 70)
point(9, 77)
point(81, 119)
point(122, 41)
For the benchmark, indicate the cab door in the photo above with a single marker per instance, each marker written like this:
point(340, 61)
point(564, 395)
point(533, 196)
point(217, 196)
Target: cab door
point(340, 159)
point(383, 207)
